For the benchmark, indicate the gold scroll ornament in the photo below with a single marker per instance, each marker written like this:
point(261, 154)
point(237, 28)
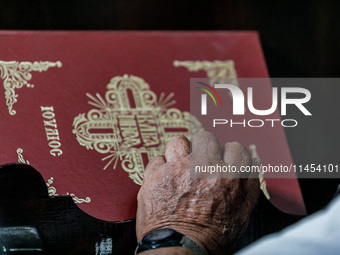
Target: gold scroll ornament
point(17, 74)
point(219, 71)
point(263, 184)
point(52, 191)
point(130, 124)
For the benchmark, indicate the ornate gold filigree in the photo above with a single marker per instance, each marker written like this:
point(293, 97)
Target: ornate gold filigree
point(53, 192)
point(21, 158)
point(130, 125)
point(17, 74)
point(218, 71)
point(263, 184)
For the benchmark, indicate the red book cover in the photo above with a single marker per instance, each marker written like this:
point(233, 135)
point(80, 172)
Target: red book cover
point(90, 109)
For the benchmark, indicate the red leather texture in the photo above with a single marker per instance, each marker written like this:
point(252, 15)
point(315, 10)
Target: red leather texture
point(89, 109)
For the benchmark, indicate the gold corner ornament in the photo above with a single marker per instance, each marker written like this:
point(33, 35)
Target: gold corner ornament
point(21, 158)
point(17, 74)
point(263, 184)
point(219, 71)
point(130, 125)
point(52, 192)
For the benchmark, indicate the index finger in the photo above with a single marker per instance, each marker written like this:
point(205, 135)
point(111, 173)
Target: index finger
point(177, 147)
point(153, 165)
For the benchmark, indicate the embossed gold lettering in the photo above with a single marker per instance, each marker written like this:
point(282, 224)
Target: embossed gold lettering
point(56, 152)
point(54, 144)
point(148, 130)
point(129, 130)
point(50, 123)
point(46, 108)
point(52, 134)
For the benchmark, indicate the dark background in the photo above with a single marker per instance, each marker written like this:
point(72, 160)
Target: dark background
point(299, 39)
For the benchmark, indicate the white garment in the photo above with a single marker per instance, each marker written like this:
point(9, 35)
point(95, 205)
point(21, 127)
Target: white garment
point(318, 234)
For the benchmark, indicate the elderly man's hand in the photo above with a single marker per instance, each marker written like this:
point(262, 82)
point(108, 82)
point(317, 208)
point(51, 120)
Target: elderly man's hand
point(214, 212)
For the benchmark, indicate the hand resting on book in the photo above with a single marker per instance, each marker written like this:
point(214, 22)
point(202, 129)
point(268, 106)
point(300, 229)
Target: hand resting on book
point(214, 212)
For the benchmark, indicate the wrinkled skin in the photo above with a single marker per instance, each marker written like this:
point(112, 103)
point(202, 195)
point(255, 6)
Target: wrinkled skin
point(214, 212)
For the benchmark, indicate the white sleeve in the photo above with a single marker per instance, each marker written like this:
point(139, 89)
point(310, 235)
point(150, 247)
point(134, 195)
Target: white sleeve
point(314, 235)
